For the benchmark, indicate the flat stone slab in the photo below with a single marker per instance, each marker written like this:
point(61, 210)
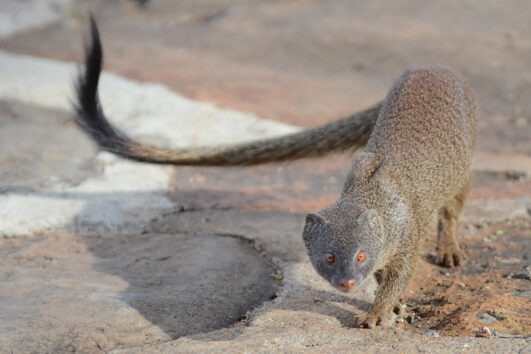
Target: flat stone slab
point(41, 148)
point(19, 15)
point(72, 293)
point(44, 164)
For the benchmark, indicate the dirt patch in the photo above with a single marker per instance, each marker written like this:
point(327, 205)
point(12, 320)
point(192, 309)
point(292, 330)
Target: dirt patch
point(492, 289)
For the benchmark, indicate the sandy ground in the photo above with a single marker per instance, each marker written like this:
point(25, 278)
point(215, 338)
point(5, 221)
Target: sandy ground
point(101, 254)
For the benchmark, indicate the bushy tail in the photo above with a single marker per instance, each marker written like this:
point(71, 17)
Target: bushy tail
point(344, 134)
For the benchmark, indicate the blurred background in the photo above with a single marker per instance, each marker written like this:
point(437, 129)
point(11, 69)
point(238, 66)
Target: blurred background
point(303, 62)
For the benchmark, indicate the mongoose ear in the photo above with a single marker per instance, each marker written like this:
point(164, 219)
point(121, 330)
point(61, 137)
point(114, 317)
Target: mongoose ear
point(371, 219)
point(311, 220)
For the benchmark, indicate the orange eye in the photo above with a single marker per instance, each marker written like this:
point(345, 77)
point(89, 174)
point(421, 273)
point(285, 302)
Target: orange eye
point(330, 258)
point(361, 257)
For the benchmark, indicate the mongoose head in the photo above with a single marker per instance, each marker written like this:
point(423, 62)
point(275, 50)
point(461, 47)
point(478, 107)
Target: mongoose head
point(344, 243)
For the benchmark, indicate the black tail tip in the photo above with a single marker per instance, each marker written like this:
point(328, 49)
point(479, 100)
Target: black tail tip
point(93, 26)
point(87, 83)
point(95, 43)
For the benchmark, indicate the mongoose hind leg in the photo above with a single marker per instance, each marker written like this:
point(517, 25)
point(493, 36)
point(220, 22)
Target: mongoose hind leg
point(448, 252)
point(392, 282)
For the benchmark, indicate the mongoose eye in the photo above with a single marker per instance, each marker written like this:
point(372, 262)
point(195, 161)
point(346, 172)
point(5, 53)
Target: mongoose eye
point(330, 258)
point(361, 257)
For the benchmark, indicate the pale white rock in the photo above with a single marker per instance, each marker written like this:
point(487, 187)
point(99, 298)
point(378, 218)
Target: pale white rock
point(127, 195)
point(140, 109)
point(18, 15)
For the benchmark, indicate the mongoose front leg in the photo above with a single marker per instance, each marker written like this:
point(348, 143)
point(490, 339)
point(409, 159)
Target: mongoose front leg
point(395, 278)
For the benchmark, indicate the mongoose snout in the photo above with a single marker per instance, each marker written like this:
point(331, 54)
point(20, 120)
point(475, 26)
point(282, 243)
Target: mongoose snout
point(347, 284)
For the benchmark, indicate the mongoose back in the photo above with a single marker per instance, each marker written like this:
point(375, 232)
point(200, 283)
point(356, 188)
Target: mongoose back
point(417, 162)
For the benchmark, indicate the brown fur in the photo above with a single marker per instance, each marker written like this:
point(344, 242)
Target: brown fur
point(417, 163)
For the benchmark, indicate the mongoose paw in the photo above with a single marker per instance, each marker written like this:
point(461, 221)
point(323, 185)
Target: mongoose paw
point(450, 257)
point(373, 319)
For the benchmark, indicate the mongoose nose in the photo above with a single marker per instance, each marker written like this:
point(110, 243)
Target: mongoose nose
point(347, 284)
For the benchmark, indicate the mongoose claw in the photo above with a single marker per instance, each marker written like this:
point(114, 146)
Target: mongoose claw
point(450, 257)
point(372, 320)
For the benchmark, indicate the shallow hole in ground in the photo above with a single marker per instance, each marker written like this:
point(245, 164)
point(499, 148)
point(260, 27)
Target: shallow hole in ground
point(188, 283)
point(66, 292)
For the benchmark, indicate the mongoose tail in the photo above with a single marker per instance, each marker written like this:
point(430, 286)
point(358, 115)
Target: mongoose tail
point(344, 134)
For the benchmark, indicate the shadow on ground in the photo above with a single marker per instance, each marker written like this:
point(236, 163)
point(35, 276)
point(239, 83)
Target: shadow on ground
point(186, 283)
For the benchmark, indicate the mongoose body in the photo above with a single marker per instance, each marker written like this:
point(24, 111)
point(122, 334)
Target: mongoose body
point(417, 160)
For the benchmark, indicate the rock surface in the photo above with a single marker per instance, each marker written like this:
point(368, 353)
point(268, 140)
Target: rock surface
point(99, 254)
point(66, 292)
point(41, 148)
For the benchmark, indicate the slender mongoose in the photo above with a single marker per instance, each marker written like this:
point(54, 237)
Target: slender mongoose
point(417, 162)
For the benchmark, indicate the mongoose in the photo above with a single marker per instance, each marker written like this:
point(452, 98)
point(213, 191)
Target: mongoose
point(417, 161)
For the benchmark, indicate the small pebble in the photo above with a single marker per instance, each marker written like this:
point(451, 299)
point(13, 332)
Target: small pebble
point(502, 335)
point(483, 333)
point(277, 276)
point(461, 284)
point(518, 276)
point(431, 333)
point(500, 316)
point(486, 318)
